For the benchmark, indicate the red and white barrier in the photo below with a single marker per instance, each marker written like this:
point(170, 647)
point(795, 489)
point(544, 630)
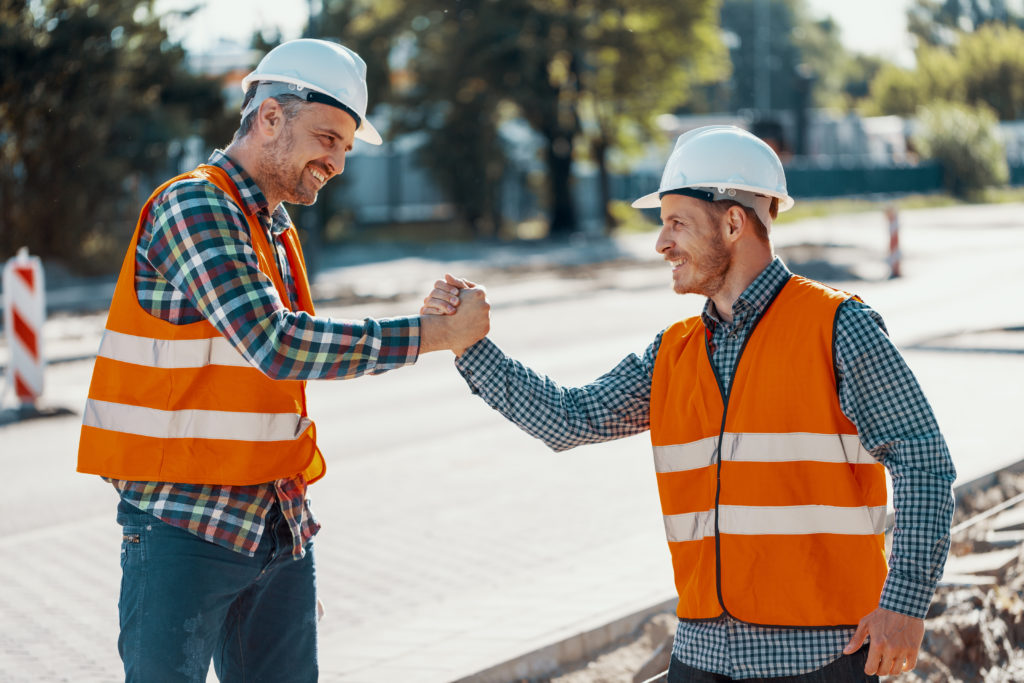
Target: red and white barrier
point(24, 314)
point(893, 217)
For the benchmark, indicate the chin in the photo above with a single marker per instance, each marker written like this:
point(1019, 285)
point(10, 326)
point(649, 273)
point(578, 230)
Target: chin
point(303, 199)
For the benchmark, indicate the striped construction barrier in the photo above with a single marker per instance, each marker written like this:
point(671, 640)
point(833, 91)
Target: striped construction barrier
point(24, 303)
point(893, 218)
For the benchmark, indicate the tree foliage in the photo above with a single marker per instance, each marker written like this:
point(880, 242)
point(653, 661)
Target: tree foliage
point(965, 140)
point(985, 67)
point(91, 94)
point(938, 22)
point(574, 70)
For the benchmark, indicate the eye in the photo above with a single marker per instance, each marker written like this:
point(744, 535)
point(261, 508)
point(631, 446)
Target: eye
point(327, 140)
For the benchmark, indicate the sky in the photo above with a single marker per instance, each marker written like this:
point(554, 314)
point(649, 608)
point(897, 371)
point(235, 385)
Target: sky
point(877, 27)
point(871, 26)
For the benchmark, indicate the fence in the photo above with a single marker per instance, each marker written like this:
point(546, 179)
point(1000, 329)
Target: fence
point(393, 188)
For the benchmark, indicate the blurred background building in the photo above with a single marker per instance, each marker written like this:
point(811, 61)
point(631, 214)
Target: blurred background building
point(511, 120)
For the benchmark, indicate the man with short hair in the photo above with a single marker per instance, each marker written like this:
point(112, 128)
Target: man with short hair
point(197, 407)
point(772, 415)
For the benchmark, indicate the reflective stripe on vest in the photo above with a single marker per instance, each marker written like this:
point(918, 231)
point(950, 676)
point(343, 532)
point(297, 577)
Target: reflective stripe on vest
point(194, 424)
point(170, 353)
point(179, 403)
point(790, 520)
point(773, 509)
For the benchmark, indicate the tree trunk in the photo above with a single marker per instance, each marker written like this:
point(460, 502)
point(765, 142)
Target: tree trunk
point(599, 148)
point(559, 161)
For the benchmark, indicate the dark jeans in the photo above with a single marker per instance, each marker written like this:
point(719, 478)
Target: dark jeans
point(185, 601)
point(846, 669)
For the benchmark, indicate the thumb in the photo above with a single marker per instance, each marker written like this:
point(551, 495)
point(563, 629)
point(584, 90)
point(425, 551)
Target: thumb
point(858, 638)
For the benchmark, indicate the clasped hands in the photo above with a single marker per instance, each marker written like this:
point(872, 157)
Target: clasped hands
point(455, 315)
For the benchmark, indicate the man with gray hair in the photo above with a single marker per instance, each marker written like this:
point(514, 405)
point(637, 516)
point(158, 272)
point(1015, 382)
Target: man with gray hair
point(197, 407)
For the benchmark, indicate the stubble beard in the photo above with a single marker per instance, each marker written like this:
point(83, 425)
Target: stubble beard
point(712, 267)
point(277, 175)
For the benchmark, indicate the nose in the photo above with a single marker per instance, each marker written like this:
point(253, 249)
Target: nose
point(336, 163)
point(664, 243)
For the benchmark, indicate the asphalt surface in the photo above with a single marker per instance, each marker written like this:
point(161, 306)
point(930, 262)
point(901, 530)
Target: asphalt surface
point(454, 547)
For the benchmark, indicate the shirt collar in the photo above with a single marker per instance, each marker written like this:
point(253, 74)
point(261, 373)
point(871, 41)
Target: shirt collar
point(756, 297)
point(254, 203)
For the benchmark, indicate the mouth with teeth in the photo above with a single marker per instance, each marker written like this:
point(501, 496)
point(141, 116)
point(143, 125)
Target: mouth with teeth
point(318, 176)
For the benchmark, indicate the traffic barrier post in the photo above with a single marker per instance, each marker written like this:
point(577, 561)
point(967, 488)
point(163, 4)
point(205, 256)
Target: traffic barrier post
point(893, 216)
point(24, 302)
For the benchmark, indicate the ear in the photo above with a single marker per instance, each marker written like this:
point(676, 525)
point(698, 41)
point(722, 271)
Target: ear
point(269, 118)
point(735, 222)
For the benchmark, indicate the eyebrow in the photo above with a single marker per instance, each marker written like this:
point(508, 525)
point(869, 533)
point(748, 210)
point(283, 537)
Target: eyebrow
point(329, 131)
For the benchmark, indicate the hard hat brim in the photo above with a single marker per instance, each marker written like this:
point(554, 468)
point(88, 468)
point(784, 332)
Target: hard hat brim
point(367, 133)
point(648, 201)
point(653, 200)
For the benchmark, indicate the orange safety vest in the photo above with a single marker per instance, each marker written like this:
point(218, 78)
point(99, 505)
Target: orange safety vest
point(179, 403)
point(774, 510)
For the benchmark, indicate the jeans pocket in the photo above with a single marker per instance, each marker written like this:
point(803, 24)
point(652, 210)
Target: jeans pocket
point(132, 545)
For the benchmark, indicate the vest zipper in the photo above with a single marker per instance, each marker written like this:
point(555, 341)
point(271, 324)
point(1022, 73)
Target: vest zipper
point(721, 436)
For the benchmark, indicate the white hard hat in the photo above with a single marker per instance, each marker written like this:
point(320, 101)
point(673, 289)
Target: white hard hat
point(317, 71)
point(723, 162)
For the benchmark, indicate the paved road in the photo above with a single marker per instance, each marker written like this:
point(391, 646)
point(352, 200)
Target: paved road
point(451, 541)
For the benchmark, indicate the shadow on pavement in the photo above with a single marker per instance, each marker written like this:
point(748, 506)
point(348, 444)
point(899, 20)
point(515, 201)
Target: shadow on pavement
point(23, 414)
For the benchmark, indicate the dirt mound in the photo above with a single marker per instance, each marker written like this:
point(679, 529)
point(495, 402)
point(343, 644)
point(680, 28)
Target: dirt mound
point(976, 633)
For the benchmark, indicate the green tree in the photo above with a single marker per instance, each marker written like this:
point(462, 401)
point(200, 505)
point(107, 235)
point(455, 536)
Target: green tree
point(965, 140)
point(91, 95)
point(985, 67)
point(938, 22)
point(559, 65)
point(428, 68)
point(635, 63)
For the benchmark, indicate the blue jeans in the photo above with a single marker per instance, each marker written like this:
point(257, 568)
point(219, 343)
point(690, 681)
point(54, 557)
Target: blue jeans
point(846, 669)
point(185, 601)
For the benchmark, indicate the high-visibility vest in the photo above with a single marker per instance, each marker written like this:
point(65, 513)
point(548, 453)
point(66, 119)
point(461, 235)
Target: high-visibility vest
point(774, 510)
point(178, 403)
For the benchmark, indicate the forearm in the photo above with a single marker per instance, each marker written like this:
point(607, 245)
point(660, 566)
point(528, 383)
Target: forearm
point(614, 406)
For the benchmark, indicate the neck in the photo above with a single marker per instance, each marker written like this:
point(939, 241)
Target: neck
point(746, 266)
point(244, 153)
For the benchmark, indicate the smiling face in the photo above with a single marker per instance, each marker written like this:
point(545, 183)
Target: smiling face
point(307, 151)
point(691, 240)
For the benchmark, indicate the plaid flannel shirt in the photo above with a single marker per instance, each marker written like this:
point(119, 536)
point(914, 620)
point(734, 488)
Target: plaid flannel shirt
point(877, 391)
point(195, 261)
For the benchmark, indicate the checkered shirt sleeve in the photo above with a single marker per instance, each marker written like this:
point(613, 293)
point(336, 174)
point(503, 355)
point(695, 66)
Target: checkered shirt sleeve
point(880, 394)
point(199, 244)
point(613, 406)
